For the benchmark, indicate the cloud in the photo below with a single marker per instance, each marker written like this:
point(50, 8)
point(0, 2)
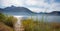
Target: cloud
point(36, 9)
point(39, 3)
point(33, 5)
point(11, 2)
point(56, 6)
point(31, 2)
point(50, 4)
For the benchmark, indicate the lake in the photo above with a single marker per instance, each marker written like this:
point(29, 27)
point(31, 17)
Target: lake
point(49, 18)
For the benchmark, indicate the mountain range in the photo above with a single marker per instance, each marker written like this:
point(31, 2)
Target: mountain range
point(24, 11)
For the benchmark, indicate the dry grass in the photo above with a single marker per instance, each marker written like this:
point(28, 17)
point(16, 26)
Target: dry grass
point(4, 27)
point(31, 25)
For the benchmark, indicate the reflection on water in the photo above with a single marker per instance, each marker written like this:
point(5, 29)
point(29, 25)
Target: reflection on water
point(48, 18)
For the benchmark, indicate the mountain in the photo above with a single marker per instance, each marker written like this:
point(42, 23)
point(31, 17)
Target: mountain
point(1, 10)
point(17, 11)
point(51, 13)
point(55, 13)
point(24, 11)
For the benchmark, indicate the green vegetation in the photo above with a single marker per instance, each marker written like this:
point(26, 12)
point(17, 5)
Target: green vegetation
point(7, 21)
point(31, 25)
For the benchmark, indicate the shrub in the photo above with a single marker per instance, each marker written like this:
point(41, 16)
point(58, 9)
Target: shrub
point(8, 20)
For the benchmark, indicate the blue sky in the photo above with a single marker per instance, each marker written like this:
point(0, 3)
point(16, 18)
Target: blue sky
point(33, 5)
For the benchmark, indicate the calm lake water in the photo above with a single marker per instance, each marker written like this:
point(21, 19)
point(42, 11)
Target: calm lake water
point(49, 18)
point(45, 18)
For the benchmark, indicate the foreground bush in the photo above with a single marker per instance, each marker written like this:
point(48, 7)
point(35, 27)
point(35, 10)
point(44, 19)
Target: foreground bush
point(8, 20)
point(31, 25)
point(4, 27)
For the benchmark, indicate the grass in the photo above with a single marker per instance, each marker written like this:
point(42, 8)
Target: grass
point(4, 27)
point(31, 25)
point(6, 24)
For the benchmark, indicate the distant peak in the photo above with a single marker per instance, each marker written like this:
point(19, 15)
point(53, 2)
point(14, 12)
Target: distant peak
point(12, 6)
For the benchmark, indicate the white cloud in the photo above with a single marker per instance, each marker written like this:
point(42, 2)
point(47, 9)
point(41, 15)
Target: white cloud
point(12, 2)
point(31, 2)
point(37, 9)
point(37, 3)
point(56, 6)
point(51, 7)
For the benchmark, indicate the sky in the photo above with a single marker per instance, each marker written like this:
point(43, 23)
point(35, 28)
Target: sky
point(33, 5)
